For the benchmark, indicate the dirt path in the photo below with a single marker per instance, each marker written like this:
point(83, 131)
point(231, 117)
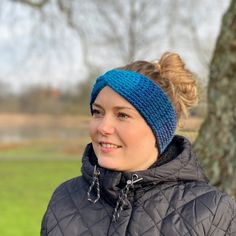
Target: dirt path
point(19, 120)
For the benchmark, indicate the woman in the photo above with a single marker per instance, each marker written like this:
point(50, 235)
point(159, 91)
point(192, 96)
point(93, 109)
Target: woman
point(138, 177)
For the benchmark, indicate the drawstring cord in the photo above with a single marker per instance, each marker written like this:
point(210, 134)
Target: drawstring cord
point(123, 197)
point(96, 174)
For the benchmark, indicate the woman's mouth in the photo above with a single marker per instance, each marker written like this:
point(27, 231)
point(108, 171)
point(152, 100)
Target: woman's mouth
point(108, 147)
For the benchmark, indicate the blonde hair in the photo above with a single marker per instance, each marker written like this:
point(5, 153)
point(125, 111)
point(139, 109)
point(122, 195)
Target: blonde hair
point(171, 75)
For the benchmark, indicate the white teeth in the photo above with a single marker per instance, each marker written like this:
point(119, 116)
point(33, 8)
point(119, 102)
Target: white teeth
point(108, 145)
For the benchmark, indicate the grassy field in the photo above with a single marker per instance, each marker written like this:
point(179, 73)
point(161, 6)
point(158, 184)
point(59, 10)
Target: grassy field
point(31, 170)
point(29, 173)
point(26, 187)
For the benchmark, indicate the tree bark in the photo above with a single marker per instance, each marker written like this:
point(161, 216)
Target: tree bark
point(216, 143)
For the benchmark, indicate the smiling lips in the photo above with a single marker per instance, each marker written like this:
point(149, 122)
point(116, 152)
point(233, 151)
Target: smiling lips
point(108, 147)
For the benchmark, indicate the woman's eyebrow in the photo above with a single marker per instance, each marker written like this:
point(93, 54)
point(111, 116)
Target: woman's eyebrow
point(123, 107)
point(116, 107)
point(97, 105)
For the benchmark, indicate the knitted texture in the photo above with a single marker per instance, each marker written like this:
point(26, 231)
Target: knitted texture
point(148, 99)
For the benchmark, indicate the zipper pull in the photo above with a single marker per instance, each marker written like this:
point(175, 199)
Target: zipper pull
point(134, 179)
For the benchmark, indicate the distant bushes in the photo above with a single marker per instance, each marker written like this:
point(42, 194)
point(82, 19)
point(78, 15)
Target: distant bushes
point(40, 99)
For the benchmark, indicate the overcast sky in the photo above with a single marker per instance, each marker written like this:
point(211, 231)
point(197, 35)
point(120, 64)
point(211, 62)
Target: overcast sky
point(22, 62)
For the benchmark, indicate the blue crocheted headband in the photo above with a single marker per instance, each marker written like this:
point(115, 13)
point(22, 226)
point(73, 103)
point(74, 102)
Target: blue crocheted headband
point(148, 99)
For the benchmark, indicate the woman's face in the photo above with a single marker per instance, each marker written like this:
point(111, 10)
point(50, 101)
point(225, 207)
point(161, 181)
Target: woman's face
point(121, 138)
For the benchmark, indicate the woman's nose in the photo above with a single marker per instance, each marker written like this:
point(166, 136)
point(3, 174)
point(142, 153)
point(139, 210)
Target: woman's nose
point(106, 126)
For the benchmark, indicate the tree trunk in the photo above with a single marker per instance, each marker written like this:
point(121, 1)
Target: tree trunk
point(216, 143)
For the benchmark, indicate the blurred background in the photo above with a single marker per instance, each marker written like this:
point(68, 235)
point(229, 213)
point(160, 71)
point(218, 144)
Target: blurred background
point(50, 54)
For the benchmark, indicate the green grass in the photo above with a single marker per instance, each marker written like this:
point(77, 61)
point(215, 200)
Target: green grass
point(33, 152)
point(43, 150)
point(25, 189)
point(29, 173)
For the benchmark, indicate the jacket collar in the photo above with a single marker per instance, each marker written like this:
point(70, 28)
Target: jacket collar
point(177, 163)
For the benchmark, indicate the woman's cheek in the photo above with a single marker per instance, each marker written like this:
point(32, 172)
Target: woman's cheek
point(92, 128)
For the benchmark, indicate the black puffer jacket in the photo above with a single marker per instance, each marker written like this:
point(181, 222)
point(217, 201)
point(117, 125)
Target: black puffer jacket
point(170, 198)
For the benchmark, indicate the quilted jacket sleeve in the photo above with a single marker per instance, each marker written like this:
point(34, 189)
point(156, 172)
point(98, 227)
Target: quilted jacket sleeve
point(224, 221)
point(43, 227)
point(50, 222)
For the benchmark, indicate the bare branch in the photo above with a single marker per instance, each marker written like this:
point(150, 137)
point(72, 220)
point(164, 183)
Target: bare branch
point(67, 9)
point(33, 4)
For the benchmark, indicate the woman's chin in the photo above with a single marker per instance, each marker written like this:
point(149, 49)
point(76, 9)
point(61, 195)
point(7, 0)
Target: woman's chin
point(108, 164)
point(105, 163)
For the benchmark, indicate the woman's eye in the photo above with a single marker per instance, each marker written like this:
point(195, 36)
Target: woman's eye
point(96, 112)
point(122, 115)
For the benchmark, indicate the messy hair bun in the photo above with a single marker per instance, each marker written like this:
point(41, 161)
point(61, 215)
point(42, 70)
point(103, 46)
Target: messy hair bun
point(177, 82)
point(172, 76)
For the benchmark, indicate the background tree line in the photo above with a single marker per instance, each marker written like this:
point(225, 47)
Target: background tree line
point(45, 99)
point(74, 100)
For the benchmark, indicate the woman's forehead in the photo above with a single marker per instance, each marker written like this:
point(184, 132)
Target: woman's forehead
point(108, 96)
